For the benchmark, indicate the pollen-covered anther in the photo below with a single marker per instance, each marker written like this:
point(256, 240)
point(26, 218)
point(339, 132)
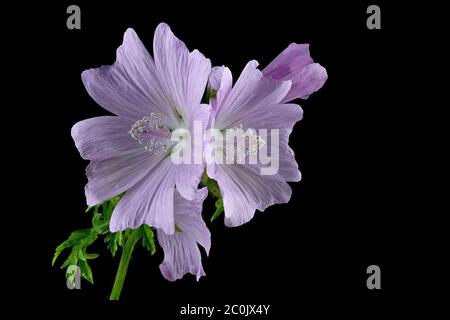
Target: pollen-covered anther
point(252, 142)
point(149, 131)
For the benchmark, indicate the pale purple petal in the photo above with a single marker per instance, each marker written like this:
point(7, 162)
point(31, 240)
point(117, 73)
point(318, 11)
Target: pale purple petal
point(295, 63)
point(201, 115)
point(188, 176)
point(131, 87)
point(291, 59)
point(150, 201)
point(103, 137)
point(265, 116)
point(181, 251)
point(288, 168)
point(187, 179)
point(307, 81)
point(183, 73)
point(225, 86)
point(221, 80)
point(109, 177)
point(244, 190)
point(252, 96)
point(215, 78)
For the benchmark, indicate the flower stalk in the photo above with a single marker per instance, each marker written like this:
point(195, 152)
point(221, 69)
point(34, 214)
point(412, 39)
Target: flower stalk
point(127, 250)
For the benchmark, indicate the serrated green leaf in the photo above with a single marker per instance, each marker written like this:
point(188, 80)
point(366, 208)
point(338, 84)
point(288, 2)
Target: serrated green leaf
point(148, 239)
point(86, 271)
point(79, 240)
point(97, 219)
point(112, 246)
point(114, 240)
point(74, 238)
point(108, 237)
point(72, 259)
point(65, 264)
point(80, 253)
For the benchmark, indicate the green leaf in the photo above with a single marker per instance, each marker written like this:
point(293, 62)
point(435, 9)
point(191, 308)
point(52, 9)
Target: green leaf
point(89, 239)
point(90, 256)
point(80, 253)
point(79, 240)
point(74, 238)
point(72, 259)
point(86, 271)
point(114, 240)
point(148, 239)
point(219, 209)
point(97, 219)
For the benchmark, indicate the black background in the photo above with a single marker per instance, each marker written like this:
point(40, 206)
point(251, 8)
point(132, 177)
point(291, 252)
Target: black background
point(350, 210)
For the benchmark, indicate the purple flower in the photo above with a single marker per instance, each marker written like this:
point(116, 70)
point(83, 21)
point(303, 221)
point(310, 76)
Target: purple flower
point(254, 102)
point(294, 63)
point(131, 150)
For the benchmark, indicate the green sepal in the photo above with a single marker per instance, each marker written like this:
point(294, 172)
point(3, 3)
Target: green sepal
point(212, 185)
point(219, 209)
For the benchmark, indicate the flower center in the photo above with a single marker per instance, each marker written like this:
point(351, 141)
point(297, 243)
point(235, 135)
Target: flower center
point(151, 132)
point(251, 142)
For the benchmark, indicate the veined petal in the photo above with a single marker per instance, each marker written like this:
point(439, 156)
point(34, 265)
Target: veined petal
point(288, 169)
point(109, 177)
point(131, 87)
point(290, 60)
point(221, 80)
point(183, 73)
point(181, 251)
point(295, 63)
point(151, 201)
point(215, 78)
point(187, 179)
point(244, 190)
point(103, 137)
point(265, 117)
point(307, 81)
point(250, 95)
point(188, 175)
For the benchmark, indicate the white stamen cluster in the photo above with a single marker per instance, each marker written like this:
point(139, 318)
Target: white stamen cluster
point(253, 142)
point(141, 131)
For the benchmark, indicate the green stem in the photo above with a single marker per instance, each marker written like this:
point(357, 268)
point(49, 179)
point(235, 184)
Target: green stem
point(127, 250)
